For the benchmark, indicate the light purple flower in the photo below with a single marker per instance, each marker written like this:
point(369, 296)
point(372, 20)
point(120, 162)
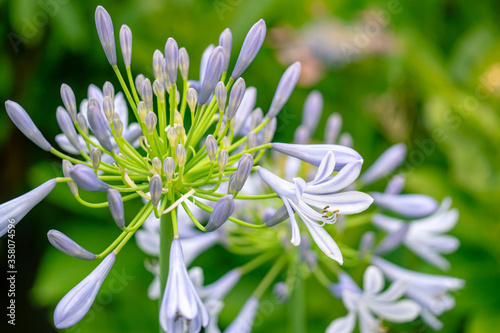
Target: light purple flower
point(251, 46)
point(284, 90)
point(406, 205)
point(244, 321)
point(385, 164)
point(66, 245)
point(104, 26)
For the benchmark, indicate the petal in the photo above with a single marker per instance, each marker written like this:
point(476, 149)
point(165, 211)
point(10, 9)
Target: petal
point(345, 177)
point(346, 202)
point(244, 320)
point(407, 205)
point(428, 254)
point(392, 240)
point(326, 168)
point(148, 242)
point(399, 312)
point(385, 164)
point(293, 223)
point(343, 324)
point(373, 280)
point(395, 291)
point(194, 246)
point(387, 223)
point(431, 320)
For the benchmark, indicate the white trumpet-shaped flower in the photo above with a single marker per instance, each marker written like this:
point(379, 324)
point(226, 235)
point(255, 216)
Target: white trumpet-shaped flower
point(365, 304)
point(424, 237)
point(11, 212)
point(181, 306)
point(77, 302)
point(428, 290)
point(320, 201)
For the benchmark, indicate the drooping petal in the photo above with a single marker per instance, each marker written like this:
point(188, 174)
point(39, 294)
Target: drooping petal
point(326, 168)
point(385, 164)
point(373, 280)
point(351, 202)
point(407, 205)
point(343, 324)
point(11, 212)
point(395, 291)
point(399, 312)
point(219, 289)
point(77, 302)
point(345, 177)
point(243, 323)
point(66, 245)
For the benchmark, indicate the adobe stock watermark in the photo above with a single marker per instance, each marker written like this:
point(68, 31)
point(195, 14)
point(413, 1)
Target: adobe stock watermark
point(31, 26)
point(117, 281)
point(224, 6)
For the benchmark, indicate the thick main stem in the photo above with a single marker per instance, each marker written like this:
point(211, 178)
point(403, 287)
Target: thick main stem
point(166, 237)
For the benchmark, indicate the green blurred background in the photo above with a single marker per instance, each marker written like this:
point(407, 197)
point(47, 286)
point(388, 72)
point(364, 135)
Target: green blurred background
point(426, 73)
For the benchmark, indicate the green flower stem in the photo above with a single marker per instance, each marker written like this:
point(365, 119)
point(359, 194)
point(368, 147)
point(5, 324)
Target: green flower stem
point(127, 92)
point(162, 115)
point(184, 98)
point(103, 204)
point(166, 238)
point(132, 84)
point(296, 302)
point(269, 277)
point(244, 139)
point(191, 216)
point(173, 105)
point(247, 197)
point(232, 219)
point(63, 180)
point(256, 262)
point(130, 189)
point(322, 278)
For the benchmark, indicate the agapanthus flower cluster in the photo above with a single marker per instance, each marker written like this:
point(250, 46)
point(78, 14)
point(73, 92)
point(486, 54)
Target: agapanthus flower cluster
point(197, 155)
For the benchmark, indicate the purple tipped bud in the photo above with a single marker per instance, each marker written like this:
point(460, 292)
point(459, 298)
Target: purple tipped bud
point(151, 120)
point(100, 127)
point(172, 58)
point(269, 130)
point(313, 107)
point(155, 188)
point(66, 167)
point(223, 159)
point(94, 103)
point(226, 41)
point(69, 101)
point(77, 302)
point(385, 164)
point(302, 135)
point(108, 90)
point(180, 153)
point(126, 44)
point(285, 87)
point(156, 164)
point(147, 93)
point(66, 245)
point(395, 184)
point(95, 157)
point(346, 140)
point(251, 46)
point(236, 97)
point(256, 118)
point(157, 64)
point(246, 107)
point(183, 63)
point(66, 125)
point(222, 211)
point(192, 98)
point(106, 34)
point(86, 179)
point(204, 61)
point(211, 146)
point(159, 90)
point(333, 127)
point(221, 96)
point(83, 124)
point(279, 216)
point(243, 171)
point(138, 82)
point(109, 108)
point(212, 75)
point(169, 168)
point(115, 203)
point(24, 123)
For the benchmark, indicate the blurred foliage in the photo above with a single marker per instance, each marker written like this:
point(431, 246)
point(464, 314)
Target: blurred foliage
point(437, 88)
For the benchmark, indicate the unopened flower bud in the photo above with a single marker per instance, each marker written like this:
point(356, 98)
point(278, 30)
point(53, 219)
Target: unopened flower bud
point(221, 96)
point(147, 93)
point(284, 90)
point(151, 120)
point(192, 98)
point(108, 90)
point(66, 125)
point(156, 163)
point(245, 165)
point(118, 125)
point(346, 140)
point(95, 157)
point(172, 136)
point(269, 130)
point(126, 44)
point(159, 90)
point(66, 166)
point(86, 179)
point(231, 186)
point(172, 58)
point(109, 108)
point(93, 103)
point(251, 46)
point(155, 188)
point(82, 123)
point(99, 127)
point(252, 141)
point(69, 101)
point(333, 127)
point(211, 147)
point(66, 245)
point(226, 41)
point(225, 143)
point(183, 63)
point(177, 118)
point(180, 153)
point(169, 168)
point(256, 119)
point(181, 133)
point(157, 62)
point(222, 211)
point(142, 110)
point(302, 135)
point(236, 97)
point(212, 75)
point(24, 123)
point(115, 203)
point(279, 216)
point(106, 34)
point(138, 82)
point(222, 160)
